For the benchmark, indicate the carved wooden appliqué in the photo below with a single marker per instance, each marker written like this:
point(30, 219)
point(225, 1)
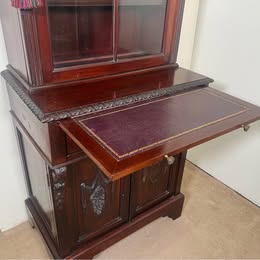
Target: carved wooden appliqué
point(97, 194)
point(154, 176)
point(97, 199)
point(59, 176)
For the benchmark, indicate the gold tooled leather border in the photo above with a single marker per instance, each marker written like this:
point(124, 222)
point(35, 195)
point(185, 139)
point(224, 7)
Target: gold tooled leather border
point(80, 122)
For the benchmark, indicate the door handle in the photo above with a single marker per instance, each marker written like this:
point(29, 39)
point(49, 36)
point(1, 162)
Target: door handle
point(170, 159)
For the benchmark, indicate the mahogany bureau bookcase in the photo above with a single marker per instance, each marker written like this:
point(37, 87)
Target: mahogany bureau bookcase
point(104, 115)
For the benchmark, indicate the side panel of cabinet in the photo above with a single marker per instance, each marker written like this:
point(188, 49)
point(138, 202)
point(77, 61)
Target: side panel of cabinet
point(100, 205)
point(38, 185)
point(152, 185)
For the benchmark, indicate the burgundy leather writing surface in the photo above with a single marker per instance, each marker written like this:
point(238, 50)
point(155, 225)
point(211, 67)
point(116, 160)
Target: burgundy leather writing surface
point(133, 130)
point(124, 140)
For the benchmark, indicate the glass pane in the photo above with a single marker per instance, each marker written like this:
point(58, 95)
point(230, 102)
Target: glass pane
point(141, 27)
point(81, 31)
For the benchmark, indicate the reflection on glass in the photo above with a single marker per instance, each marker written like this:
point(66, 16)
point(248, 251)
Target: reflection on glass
point(141, 27)
point(81, 31)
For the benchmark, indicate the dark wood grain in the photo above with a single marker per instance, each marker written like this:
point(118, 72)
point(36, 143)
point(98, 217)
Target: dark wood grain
point(32, 51)
point(180, 163)
point(55, 103)
point(174, 8)
point(177, 31)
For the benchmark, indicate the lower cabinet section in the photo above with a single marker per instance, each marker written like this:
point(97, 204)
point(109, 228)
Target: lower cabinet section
point(88, 206)
point(80, 212)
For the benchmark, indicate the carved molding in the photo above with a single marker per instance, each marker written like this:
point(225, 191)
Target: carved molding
point(84, 110)
point(16, 86)
point(155, 177)
point(154, 173)
point(59, 183)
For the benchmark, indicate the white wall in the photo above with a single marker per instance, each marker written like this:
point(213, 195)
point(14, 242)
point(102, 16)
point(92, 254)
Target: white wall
point(188, 33)
point(227, 48)
point(12, 186)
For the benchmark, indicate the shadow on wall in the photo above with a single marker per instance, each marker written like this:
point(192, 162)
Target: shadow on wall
point(235, 165)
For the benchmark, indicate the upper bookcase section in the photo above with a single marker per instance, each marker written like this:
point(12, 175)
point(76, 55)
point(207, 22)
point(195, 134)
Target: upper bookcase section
point(69, 40)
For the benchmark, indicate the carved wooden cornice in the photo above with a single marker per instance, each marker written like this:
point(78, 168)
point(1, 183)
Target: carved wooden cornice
point(88, 109)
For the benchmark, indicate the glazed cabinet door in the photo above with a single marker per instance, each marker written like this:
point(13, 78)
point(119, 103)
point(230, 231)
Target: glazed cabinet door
point(152, 185)
point(130, 28)
point(141, 26)
point(92, 38)
point(80, 31)
point(100, 205)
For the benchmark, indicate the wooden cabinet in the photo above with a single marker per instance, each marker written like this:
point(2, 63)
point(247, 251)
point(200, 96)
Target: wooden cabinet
point(119, 168)
point(104, 116)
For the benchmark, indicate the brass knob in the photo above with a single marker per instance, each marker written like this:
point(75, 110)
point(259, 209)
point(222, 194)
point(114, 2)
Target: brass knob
point(245, 127)
point(170, 159)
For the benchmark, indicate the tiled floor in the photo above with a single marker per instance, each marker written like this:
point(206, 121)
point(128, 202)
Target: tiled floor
point(216, 223)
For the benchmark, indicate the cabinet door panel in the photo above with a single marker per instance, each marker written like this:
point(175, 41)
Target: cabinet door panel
point(101, 205)
point(141, 27)
point(80, 33)
point(152, 185)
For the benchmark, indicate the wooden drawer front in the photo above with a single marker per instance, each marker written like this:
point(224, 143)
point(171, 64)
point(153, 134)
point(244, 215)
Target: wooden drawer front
point(151, 185)
point(101, 205)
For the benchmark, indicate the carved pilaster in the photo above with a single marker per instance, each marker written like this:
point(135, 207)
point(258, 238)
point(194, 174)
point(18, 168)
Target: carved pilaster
point(59, 182)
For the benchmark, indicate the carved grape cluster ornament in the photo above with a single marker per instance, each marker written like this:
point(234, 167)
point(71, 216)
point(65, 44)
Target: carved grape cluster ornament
point(97, 199)
point(96, 194)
